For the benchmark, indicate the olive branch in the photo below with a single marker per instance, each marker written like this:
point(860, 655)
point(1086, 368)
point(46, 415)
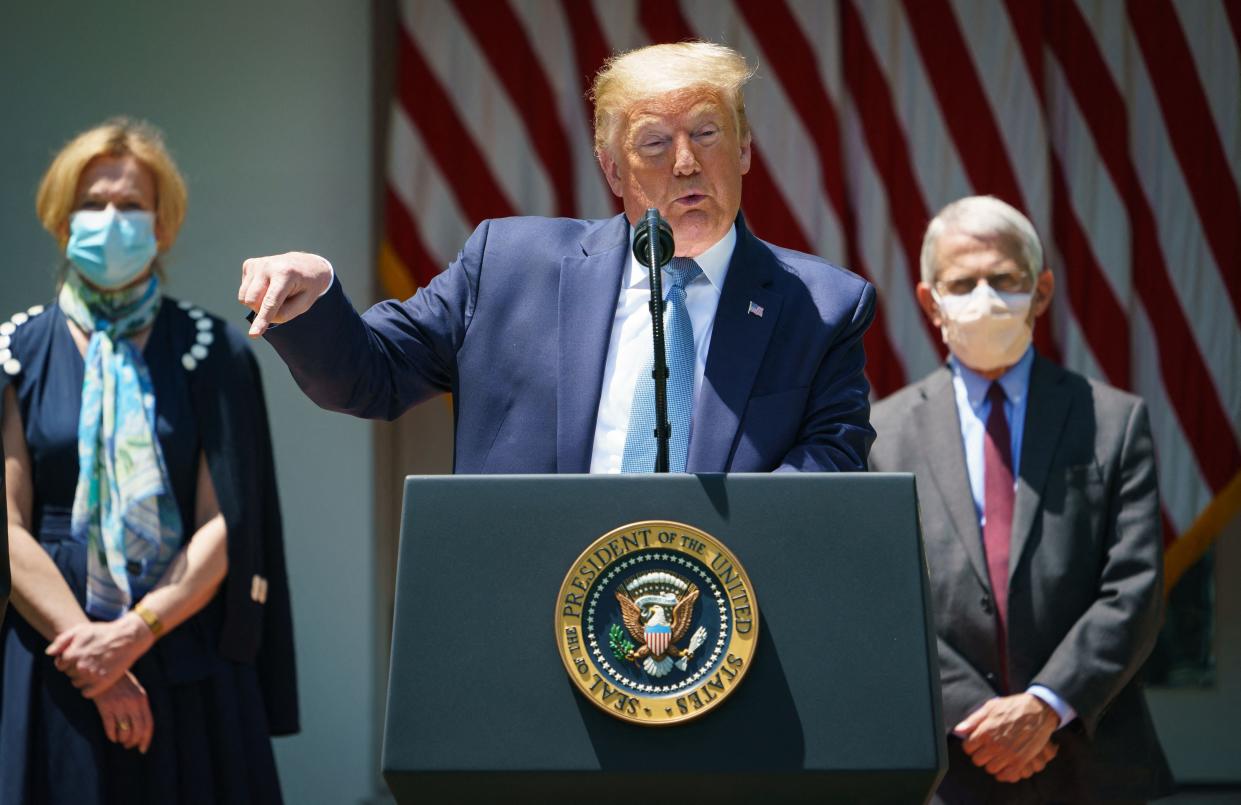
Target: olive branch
point(622, 647)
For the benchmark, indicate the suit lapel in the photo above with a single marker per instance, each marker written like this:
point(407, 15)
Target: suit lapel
point(944, 463)
point(1046, 410)
point(738, 344)
point(589, 288)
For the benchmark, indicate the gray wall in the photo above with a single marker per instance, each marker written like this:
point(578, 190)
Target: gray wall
point(267, 108)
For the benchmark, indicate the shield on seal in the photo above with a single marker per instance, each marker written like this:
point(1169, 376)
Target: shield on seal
point(657, 637)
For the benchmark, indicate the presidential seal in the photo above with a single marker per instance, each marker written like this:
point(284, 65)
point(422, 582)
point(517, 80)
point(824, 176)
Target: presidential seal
point(656, 622)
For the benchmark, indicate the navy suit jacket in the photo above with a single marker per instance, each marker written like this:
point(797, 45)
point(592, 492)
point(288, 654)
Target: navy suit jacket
point(5, 580)
point(517, 329)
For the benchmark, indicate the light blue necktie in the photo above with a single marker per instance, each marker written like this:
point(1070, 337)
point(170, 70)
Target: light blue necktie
point(640, 444)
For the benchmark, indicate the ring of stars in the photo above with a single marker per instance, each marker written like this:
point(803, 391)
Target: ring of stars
point(688, 564)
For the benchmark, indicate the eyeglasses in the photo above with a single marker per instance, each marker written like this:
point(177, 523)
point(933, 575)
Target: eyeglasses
point(1010, 282)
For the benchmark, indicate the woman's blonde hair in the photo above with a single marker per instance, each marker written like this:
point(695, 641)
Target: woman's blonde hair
point(119, 136)
point(658, 70)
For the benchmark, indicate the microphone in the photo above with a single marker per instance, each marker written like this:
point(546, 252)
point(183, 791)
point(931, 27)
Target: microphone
point(653, 229)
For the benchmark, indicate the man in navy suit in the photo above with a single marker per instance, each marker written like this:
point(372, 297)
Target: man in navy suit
point(540, 327)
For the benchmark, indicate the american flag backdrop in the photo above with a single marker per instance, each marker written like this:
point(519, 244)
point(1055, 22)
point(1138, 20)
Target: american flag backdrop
point(1115, 126)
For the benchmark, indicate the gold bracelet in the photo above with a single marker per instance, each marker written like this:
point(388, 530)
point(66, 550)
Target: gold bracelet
point(150, 619)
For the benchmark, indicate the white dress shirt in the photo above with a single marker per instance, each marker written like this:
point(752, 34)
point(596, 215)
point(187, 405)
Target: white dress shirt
point(630, 346)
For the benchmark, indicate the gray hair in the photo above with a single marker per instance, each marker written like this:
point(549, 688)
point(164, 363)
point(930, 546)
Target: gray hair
point(984, 217)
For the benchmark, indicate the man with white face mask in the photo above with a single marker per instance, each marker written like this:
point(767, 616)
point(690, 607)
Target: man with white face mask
point(1041, 521)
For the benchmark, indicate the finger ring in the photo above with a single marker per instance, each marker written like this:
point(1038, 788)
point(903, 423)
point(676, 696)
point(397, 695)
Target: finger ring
point(123, 725)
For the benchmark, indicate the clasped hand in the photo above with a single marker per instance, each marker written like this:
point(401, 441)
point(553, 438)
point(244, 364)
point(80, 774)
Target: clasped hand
point(126, 714)
point(1010, 736)
point(96, 655)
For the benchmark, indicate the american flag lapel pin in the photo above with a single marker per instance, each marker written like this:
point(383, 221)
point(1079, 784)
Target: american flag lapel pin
point(755, 310)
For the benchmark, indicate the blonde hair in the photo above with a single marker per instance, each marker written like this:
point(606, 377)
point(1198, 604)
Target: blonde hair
point(657, 70)
point(119, 136)
point(986, 218)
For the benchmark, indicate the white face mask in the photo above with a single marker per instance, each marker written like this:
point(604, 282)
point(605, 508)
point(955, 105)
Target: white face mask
point(984, 329)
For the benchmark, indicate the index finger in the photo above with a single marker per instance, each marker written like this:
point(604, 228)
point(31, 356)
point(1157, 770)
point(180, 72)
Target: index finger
point(277, 292)
point(61, 642)
point(971, 722)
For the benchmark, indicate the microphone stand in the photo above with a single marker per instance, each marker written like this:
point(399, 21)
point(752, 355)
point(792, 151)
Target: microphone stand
point(655, 262)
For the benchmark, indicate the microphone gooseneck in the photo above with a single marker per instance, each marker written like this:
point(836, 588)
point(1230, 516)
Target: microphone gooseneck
point(653, 246)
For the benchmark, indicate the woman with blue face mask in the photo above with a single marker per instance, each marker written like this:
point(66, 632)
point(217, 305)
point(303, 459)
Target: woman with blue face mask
point(147, 652)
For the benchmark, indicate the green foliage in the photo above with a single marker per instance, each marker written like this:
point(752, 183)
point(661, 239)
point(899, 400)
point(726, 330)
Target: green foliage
point(622, 647)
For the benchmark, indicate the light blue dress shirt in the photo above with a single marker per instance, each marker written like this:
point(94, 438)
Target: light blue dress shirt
point(973, 408)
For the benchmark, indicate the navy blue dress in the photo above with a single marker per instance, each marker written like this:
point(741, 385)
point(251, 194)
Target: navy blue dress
point(211, 740)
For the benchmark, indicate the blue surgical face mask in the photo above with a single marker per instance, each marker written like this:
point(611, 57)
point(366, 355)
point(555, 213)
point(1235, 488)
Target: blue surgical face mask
point(111, 248)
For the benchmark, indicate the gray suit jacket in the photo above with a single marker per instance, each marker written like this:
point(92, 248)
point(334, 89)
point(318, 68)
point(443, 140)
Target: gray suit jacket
point(1085, 579)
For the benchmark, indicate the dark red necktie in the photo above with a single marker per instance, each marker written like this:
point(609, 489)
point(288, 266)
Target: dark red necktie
point(997, 529)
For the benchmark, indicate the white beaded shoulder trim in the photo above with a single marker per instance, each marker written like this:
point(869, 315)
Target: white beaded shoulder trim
point(11, 365)
point(203, 339)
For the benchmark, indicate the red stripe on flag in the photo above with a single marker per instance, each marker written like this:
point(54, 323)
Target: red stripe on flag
point(962, 101)
point(1233, 8)
point(1191, 128)
point(403, 236)
point(1094, 306)
point(1027, 20)
point(888, 147)
point(791, 55)
point(1188, 384)
point(967, 112)
point(590, 48)
point(1169, 532)
point(590, 51)
point(663, 21)
point(766, 210)
point(447, 138)
point(503, 40)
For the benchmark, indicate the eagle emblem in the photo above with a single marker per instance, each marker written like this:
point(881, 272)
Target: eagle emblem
point(656, 622)
point(657, 609)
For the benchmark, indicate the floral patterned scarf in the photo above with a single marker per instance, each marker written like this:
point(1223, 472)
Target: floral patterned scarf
point(123, 509)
